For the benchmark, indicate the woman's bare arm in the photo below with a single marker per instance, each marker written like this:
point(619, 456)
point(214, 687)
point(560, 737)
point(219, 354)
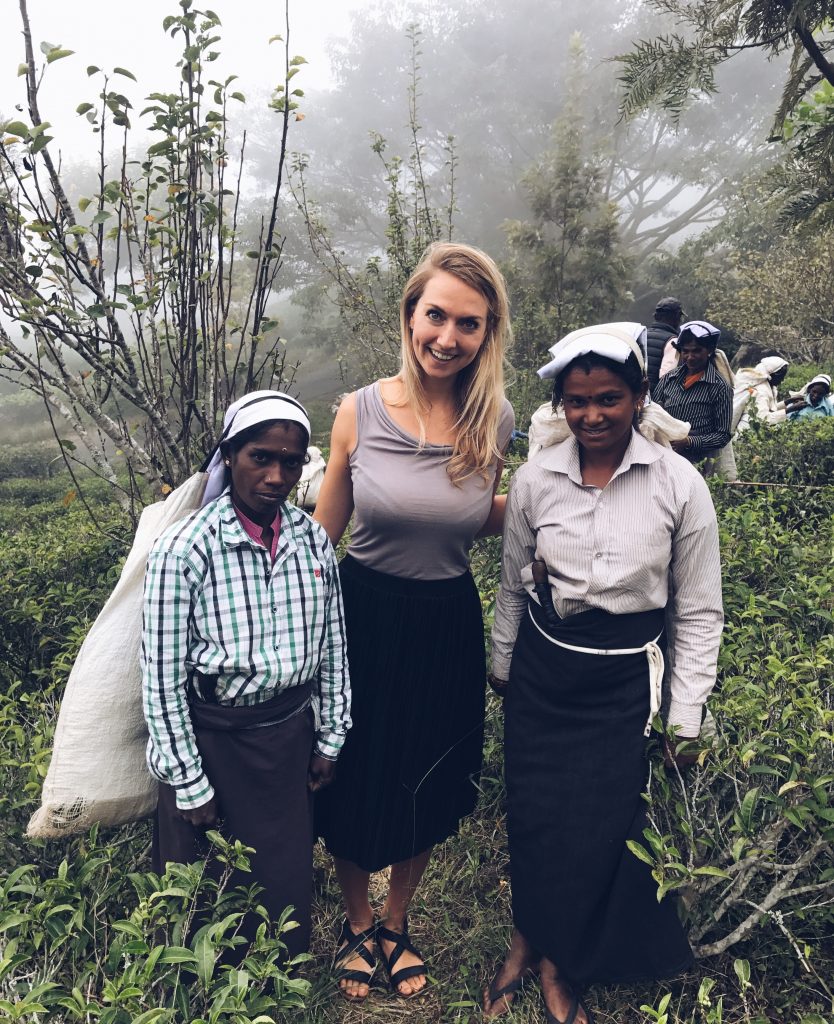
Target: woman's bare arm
point(494, 522)
point(335, 502)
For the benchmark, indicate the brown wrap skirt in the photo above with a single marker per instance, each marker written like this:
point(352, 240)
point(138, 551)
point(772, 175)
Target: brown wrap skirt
point(256, 758)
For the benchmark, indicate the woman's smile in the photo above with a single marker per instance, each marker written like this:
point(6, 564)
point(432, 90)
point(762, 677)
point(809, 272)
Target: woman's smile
point(442, 357)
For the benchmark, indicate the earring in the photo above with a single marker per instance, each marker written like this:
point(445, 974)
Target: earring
point(227, 462)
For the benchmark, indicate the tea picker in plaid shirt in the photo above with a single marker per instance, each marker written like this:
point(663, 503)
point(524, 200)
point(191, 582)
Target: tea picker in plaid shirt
point(245, 679)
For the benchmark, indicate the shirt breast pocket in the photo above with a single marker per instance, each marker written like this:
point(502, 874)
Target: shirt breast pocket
point(315, 594)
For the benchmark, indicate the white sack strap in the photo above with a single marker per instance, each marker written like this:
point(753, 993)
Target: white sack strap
point(654, 656)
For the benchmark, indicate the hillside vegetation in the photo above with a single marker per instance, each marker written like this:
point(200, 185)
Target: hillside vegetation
point(87, 933)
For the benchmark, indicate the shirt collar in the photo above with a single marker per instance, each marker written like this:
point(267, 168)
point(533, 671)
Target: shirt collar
point(294, 525)
point(564, 457)
point(710, 376)
point(255, 530)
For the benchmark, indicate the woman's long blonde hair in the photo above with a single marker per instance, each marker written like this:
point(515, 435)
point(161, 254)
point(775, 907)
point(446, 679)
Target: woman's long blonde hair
point(480, 385)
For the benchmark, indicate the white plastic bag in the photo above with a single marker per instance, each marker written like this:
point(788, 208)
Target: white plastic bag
point(98, 771)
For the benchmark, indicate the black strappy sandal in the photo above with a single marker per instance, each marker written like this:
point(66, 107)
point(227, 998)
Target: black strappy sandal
point(402, 943)
point(354, 945)
point(575, 1007)
point(512, 988)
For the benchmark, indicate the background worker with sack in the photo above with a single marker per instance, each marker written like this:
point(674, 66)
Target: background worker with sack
point(242, 643)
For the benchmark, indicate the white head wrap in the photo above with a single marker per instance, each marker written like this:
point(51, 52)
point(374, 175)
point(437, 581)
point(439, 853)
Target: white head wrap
point(698, 330)
point(613, 341)
point(248, 411)
point(770, 365)
point(821, 378)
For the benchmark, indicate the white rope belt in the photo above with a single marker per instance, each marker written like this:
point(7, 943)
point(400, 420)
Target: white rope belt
point(654, 656)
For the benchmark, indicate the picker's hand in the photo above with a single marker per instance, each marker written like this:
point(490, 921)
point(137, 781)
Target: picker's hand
point(498, 686)
point(320, 773)
point(682, 445)
point(672, 754)
point(204, 816)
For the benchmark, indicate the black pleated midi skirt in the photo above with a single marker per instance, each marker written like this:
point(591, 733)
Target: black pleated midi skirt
point(576, 768)
point(410, 766)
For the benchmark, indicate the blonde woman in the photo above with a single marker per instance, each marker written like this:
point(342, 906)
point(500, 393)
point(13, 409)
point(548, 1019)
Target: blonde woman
point(417, 458)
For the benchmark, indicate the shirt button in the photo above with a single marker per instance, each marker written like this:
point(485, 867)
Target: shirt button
point(598, 554)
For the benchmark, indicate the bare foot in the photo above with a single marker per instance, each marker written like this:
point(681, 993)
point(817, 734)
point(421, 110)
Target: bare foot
point(408, 986)
point(520, 962)
point(351, 988)
point(558, 995)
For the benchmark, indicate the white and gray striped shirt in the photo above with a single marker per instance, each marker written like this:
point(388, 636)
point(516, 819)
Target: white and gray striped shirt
point(649, 539)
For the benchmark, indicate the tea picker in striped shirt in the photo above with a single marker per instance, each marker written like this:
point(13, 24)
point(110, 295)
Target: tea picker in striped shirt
point(696, 392)
point(245, 680)
point(624, 527)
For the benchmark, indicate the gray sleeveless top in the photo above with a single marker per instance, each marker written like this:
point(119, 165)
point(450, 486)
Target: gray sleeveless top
point(410, 520)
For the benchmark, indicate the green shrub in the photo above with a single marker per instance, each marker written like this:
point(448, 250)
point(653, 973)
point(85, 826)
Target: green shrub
point(796, 453)
point(94, 939)
point(38, 459)
point(748, 836)
point(58, 569)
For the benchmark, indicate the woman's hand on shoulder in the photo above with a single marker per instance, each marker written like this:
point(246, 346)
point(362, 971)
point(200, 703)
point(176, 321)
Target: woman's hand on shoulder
point(334, 506)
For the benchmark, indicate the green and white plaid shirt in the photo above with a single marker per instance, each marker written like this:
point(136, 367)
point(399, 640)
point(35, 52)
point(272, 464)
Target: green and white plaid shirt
point(215, 604)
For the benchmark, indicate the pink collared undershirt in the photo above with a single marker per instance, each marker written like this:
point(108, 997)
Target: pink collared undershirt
point(255, 531)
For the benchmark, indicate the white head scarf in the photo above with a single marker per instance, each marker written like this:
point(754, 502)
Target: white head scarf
point(698, 330)
point(821, 378)
point(615, 341)
point(770, 365)
point(256, 407)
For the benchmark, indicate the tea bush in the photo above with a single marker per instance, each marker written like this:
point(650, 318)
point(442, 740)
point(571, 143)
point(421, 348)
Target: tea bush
point(88, 933)
point(58, 569)
point(39, 460)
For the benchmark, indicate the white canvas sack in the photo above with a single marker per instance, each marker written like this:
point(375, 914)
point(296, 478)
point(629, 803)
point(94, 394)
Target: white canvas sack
point(548, 427)
point(309, 485)
point(98, 771)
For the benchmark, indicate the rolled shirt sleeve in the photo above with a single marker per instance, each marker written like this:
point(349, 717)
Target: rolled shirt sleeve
point(333, 680)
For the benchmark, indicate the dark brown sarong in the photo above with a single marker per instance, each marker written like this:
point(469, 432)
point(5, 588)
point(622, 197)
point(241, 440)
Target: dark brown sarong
point(259, 775)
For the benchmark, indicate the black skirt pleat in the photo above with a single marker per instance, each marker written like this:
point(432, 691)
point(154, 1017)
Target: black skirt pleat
point(409, 768)
point(576, 768)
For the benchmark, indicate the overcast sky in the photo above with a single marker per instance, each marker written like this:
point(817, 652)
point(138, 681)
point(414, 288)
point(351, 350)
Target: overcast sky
point(128, 34)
